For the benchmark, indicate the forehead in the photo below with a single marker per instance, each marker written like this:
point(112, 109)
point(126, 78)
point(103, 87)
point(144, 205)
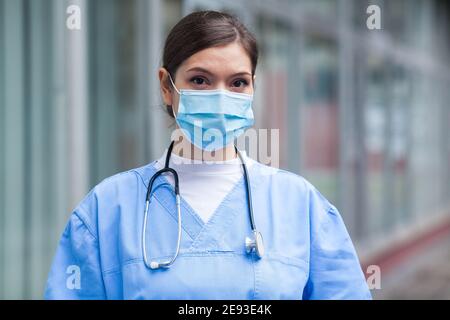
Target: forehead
point(222, 59)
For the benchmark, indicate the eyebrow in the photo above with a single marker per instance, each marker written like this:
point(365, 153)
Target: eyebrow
point(210, 73)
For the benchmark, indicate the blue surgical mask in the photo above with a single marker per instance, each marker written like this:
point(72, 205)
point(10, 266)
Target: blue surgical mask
point(212, 119)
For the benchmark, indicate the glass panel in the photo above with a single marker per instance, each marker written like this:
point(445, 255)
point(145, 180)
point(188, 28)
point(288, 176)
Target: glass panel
point(271, 102)
point(318, 7)
point(376, 122)
point(427, 162)
point(319, 129)
point(397, 207)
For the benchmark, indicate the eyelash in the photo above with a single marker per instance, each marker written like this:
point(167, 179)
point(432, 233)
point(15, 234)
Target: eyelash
point(192, 80)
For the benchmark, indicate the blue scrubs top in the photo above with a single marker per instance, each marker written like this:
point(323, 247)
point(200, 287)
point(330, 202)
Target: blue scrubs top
point(308, 252)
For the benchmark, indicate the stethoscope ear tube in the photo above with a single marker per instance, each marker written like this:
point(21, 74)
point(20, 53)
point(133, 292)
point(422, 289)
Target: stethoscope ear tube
point(247, 187)
point(166, 264)
point(154, 264)
point(256, 243)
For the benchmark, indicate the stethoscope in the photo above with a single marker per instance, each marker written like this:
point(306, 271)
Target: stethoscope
point(254, 243)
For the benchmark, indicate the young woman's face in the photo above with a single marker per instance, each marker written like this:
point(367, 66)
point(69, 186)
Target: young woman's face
point(226, 67)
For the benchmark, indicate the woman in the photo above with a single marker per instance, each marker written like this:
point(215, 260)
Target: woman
point(113, 248)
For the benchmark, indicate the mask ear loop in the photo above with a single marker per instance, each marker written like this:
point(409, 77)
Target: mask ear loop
point(173, 84)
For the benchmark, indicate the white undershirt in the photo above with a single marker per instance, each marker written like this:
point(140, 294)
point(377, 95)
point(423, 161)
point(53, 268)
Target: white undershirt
point(204, 184)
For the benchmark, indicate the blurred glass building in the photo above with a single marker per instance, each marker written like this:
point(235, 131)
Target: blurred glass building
point(363, 114)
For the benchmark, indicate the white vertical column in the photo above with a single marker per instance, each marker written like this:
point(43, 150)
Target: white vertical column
point(57, 115)
point(76, 83)
point(157, 124)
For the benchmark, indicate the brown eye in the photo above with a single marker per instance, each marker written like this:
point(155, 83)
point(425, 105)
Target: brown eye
point(240, 83)
point(198, 80)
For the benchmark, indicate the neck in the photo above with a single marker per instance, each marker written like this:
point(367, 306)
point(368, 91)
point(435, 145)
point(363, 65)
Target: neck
point(185, 149)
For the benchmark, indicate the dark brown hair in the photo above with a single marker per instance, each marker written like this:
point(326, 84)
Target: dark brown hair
point(201, 30)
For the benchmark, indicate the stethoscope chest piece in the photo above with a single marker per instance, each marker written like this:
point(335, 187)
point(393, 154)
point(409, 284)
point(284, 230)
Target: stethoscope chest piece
point(255, 244)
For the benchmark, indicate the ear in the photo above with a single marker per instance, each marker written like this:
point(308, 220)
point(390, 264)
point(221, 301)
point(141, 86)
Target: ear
point(166, 89)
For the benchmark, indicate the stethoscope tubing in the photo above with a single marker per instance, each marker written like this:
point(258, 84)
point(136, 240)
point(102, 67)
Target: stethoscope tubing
point(166, 264)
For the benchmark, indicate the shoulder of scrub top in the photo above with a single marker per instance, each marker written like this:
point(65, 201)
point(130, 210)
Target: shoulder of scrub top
point(294, 192)
point(109, 191)
point(291, 185)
